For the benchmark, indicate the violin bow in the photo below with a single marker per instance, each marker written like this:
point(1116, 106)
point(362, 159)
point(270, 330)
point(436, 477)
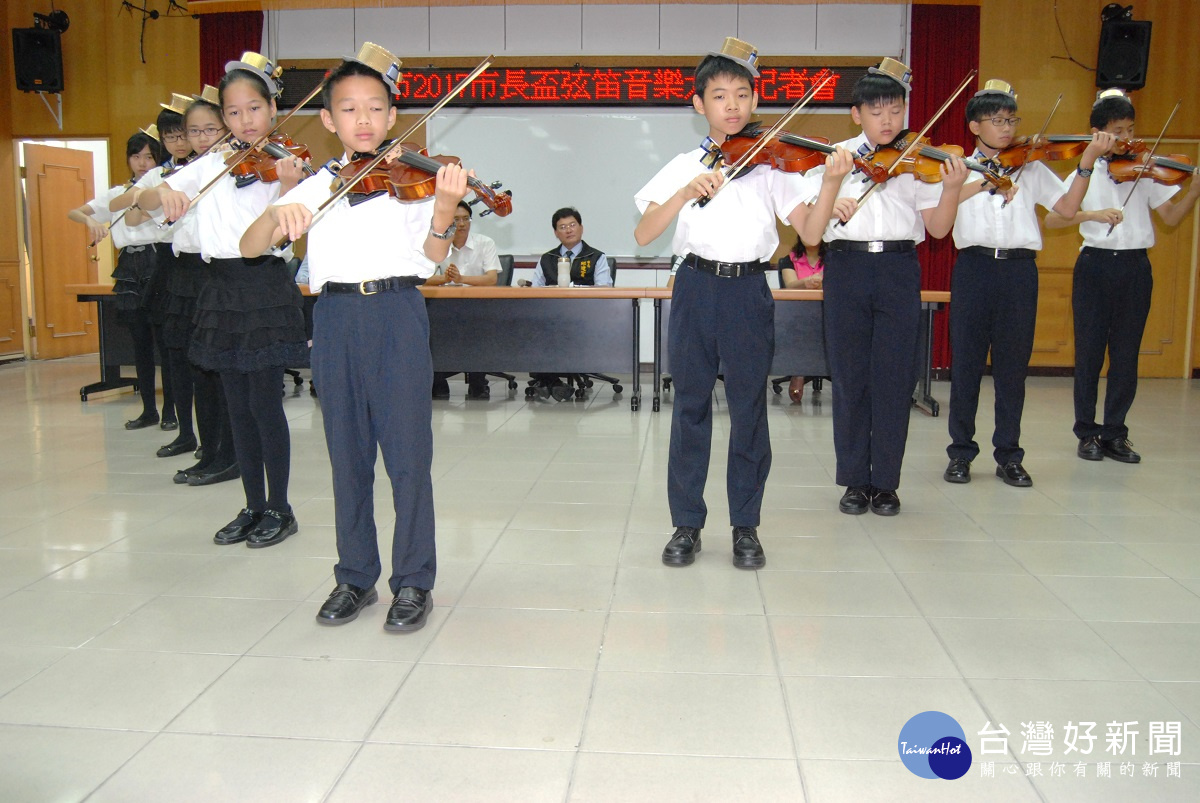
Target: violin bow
point(241, 157)
point(1041, 133)
point(342, 191)
point(916, 141)
point(125, 211)
point(764, 139)
point(1149, 157)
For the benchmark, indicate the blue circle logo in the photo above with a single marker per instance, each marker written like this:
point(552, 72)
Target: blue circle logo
point(933, 745)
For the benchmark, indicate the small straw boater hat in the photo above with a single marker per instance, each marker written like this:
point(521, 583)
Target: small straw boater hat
point(997, 87)
point(896, 70)
point(152, 132)
point(261, 66)
point(1110, 93)
point(179, 103)
point(743, 53)
point(381, 61)
point(210, 94)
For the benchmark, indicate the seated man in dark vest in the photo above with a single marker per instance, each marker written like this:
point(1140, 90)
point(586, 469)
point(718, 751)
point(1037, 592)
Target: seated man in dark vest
point(589, 266)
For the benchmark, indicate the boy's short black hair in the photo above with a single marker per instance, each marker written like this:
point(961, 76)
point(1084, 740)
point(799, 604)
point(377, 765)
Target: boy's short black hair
point(345, 70)
point(140, 140)
point(466, 207)
point(716, 66)
point(984, 106)
point(1111, 110)
point(260, 86)
point(169, 122)
point(566, 211)
point(872, 89)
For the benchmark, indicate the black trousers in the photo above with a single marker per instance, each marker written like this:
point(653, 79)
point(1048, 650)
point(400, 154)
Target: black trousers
point(994, 308)
point(719, 324)
point(371, 360)
point(477, 381)
point(1110, 300)
point(872, 320)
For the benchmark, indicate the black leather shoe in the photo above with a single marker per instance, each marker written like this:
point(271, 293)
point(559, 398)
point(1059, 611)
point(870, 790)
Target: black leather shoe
point(142, 421)
point(176, 447)
point(1090, 449)
point(959, 471)
point(345, 603)
point(410, 608)
point(682, 548)
point(747, 551)
point(236, 531)
point(885, 503)
point(213, 476)
point(1120, 449)
point(1014, 474)
point(483, 394)
point(855, 501)
point(272, 528)
point(169, 425)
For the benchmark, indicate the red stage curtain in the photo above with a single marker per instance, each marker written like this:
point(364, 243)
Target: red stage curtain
point(945, 47)
point(224, 37)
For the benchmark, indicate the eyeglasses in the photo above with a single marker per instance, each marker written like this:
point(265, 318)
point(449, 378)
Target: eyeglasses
point(462, 221)
point(208, 132)
point(1000, 122)
point(169, 138)
point(567, 226)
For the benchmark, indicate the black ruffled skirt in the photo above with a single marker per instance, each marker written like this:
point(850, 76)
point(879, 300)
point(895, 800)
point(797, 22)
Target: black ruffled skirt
point(249, 317)
point(185, 278)
point(136, 266)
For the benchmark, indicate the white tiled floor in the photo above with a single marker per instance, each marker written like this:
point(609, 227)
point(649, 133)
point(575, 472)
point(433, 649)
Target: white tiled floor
point(563, 662)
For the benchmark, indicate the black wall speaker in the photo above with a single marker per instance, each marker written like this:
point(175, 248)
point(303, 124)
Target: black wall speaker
point(1124, 53)
point(37, 59)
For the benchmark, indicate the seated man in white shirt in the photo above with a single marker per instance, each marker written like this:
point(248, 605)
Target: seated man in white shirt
point(472, 261)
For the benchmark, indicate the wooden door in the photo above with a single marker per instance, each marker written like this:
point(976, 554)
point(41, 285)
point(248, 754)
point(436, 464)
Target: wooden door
point(58, 180)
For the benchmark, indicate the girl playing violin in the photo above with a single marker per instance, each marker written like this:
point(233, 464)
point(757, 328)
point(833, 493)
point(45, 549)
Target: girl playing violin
point(1110, 292)
point(249, 322)
point(370, 354)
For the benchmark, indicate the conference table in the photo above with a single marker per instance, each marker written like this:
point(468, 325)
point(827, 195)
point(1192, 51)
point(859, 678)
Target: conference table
point(563, 331)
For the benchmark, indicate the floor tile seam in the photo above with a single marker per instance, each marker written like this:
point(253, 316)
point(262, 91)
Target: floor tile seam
point(1002, 544)
point(991, 717)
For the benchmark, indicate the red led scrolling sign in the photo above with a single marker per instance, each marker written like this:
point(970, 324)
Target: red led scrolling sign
point(588, 86)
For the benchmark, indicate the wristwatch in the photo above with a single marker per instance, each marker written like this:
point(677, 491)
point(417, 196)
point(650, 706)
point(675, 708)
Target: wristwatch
point(1084, 172)
point(446, 235)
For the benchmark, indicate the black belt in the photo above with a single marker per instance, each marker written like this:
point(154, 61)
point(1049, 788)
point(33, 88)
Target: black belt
point(1001, 253)
point(872, 246)
point(725, 270)
point(1112, 252)
point(370, 287)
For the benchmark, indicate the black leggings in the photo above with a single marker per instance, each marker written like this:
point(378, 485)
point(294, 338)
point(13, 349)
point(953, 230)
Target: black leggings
point(212, 421)
point(182, 385)
point(144, 335)
point(260, 436)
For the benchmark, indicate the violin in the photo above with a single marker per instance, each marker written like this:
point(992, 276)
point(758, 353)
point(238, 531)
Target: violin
point(412, 176)
point(260, 163)
point(924, 162)
point(1169, 170)
point(785, 152)
point(1056, 148)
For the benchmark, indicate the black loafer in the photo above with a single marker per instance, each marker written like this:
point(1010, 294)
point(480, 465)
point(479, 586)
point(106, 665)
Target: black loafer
point(142, 421)
point(272, 528)
point(169, 425)
point(682, 548)
point(959, 471)
point(855, 501)
point(747, 551)
point(885, 503)
point(1014, 474)
point(236, 531)
point(1090, 449)
point(409, 611)
point(213, 476)
point(345, 603)
point(1120, 449)
point(176, 447)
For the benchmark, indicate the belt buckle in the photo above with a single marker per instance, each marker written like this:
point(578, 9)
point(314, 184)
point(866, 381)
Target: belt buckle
point(362, 287)
point(726, 271)
point(875, 247)
point(1002, 253)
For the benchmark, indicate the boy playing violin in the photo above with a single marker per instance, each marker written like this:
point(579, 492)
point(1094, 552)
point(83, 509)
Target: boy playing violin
point(995, 282)
point(873, 290)
point(370, 354)
point(722, 310)
point(1110, 292)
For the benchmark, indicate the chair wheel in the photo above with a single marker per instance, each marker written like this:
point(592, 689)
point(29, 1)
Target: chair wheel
point(587, 383)
point(778, 389)
point(666, 383)
point(512, 384)
point(579, 392)
point(617, 388)
point(530, 392)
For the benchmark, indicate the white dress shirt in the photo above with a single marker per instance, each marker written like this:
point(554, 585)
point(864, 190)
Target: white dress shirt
point(738, 225)
point(475, 258)
point(122, 235)
point(1137, 229)
point(224, 214)
point(984, 219)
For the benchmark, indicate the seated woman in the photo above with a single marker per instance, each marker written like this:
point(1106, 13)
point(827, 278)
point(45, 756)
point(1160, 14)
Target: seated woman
point(802, 269)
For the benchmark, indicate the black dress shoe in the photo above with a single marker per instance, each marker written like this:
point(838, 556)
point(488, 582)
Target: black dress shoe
point(213, 476)
point(885, 503)
point(1090, 449)
point(1120, 449)
point(959, 471)
point(142, 421)
point(409, 610)
point(177, 447)
point(482, 394)
point(169, 425)
point(236, 531)
point(682, 548)
point(747, 551)
point(345, 603)
point(272, 528)
point(855, 501)
point(1014, 474)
